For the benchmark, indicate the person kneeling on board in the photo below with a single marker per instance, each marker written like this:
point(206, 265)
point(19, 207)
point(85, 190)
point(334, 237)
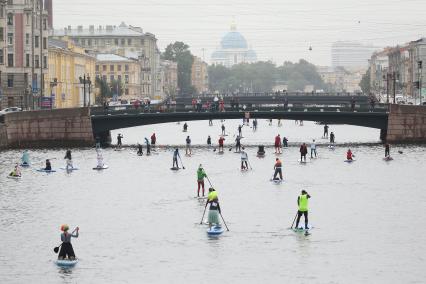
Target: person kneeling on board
point(277, 168)
point(48, 166)
point(66, 247)
point(302, 202)
point(349, 155)
point(16, 171)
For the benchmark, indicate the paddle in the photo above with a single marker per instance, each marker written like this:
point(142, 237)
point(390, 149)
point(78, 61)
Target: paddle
point(205, 207)
point(224, 221)
point(183, 167)
point(209, 181)
point(292, 224)
point(249, 164)
point(56, 249)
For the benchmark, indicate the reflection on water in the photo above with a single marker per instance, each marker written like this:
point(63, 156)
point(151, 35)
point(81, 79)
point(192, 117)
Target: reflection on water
point(139, 221)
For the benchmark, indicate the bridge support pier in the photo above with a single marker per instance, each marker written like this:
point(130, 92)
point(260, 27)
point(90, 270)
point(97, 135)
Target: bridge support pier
point(104, 138)
point(383, 134)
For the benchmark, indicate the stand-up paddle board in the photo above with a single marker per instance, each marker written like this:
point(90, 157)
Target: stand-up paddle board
point(66, 262)
point(45, 171)
point(25, 165)
point(69, 169)
point(15, 177)
point(215, 231)
point(389, 158)
point(104, 167)
point(175, 169)
point(276, 181)
point(349, 161)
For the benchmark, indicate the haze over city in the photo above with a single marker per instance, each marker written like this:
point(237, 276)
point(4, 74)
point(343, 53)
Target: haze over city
point(277, 30)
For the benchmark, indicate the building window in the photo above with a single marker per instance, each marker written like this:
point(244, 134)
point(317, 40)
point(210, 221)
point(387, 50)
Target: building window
point(111, 68)
point(9, 2)
point(126, 91)
point(104, 78)
point(1, 11)
point(36, 43)
point(89, 42)
point(28, 16)
point(116, 41)
point(10, 19)
point(126, 68)
point(129, 41)
point(45, 62)
point(123, 41)
point(10, 38)
point(104, 67)
point(97, 68)
point(126, 79)
point(27, 38)
point(10, 80)
point(83, 42)
point(10, 60)
point(44, 43)
point(111, 78)
point(37, 61)
point(44, 24)
point(27, 60)
point(118, 67)
point(119, 78)
point(1, 56)
point(1, 33)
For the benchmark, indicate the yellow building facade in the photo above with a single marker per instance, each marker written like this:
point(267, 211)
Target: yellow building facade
point(67, 64)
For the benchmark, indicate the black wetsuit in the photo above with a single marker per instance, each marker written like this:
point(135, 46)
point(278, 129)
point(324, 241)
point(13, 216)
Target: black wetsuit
point(140, 152)
point(48, 166)
point(175, 159)
point(209, 141)
point(387, 150)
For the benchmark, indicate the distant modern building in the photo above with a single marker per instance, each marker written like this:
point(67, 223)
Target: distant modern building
point(124, 40)
point(350, 55)
point(199, 75)
point(340, 79)
point(233, 50)
point(24, 32)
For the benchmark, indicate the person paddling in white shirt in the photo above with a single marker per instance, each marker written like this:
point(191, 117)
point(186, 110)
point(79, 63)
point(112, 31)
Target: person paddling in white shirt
point(313, 148)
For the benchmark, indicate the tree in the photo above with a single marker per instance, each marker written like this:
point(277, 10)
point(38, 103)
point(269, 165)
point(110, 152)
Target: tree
point(179, 52)
point(365, 82)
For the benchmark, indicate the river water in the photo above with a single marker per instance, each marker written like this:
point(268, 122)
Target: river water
point(139, 221)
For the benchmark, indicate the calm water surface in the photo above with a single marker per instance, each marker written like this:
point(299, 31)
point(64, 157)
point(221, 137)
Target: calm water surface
point(139, 221)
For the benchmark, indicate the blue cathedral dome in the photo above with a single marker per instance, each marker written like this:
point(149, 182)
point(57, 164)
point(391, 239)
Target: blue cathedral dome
point(232, 40)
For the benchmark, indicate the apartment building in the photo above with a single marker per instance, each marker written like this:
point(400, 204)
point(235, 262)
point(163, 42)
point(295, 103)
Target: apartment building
point(24, 34)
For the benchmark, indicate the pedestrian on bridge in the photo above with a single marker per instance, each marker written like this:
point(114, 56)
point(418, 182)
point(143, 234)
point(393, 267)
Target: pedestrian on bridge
point(353, 104)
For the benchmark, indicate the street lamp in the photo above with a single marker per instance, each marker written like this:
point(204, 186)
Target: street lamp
point(419, 66)
point(53, 83)
point(85, 80)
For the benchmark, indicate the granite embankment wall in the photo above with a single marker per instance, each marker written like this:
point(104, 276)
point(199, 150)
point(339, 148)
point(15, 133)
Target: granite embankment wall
point(47, 128)
point(406, 124)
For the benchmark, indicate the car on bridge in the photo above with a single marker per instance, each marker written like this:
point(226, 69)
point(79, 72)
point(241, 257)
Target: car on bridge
point(9, 110)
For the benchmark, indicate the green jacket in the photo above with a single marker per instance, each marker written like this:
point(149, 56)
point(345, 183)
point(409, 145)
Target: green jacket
point(201, 174)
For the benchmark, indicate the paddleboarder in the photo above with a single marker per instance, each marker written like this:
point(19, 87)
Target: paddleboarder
point(25, 158)
point(387, 150)
point(16, 171)
point(332, 137)
point(66, 247)
point(48, 165)
point(349, 155)
point(325, 135)
point(140, 151)
point(175, 158)
point(255, 124)
point(221, 139)
point(148, 146)
point(99, 158)
point(201, 174)
point(212, 193)
point(185, 127)
point(302, 203)
point(238, 144)
point(285, 142)
point(209, 141)
point(223, 129)
point(244, 160)
point(68, 159)
point(313, 148)
point(303, 151)
point(119, 137)
point(278, 144)
point(240, 127)
point(153, 140)
point(278, 171)
point(214, 211)
point(188, 150)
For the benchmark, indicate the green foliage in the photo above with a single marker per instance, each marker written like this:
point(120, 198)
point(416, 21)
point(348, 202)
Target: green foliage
point(179, 52)
point(263, 76)
point(365, 82)
point(108, 90)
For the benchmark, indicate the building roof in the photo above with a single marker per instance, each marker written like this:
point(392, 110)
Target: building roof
point(233, 40)
point(121, 30)
point(112, 57)
point(57, 43)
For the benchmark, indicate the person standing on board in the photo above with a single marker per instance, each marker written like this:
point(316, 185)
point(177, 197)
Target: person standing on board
point(188, 150)
point(221, 139)
point(185, 127)
point(153, 140)
point(140, 151)
point(278, 144)
point(201, 174)
point(209, 141)
point(244, 160)
point(387, 150)
point(302, 203)
point(278, 171)
point(119, 137)
point(303, 151)
point(285, 142)
point(175, 158)
point(255, 124)
point(148, 147)
point(332, 137)
point(313, 148)
point(325, 135)
point(66, 247)
point(68, 159)
point(223, 129)
point(240, 130)
point(99, 158)
point(238, 144)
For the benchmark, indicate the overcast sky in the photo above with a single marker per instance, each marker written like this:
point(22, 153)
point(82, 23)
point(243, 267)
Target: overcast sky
point(278, 30)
